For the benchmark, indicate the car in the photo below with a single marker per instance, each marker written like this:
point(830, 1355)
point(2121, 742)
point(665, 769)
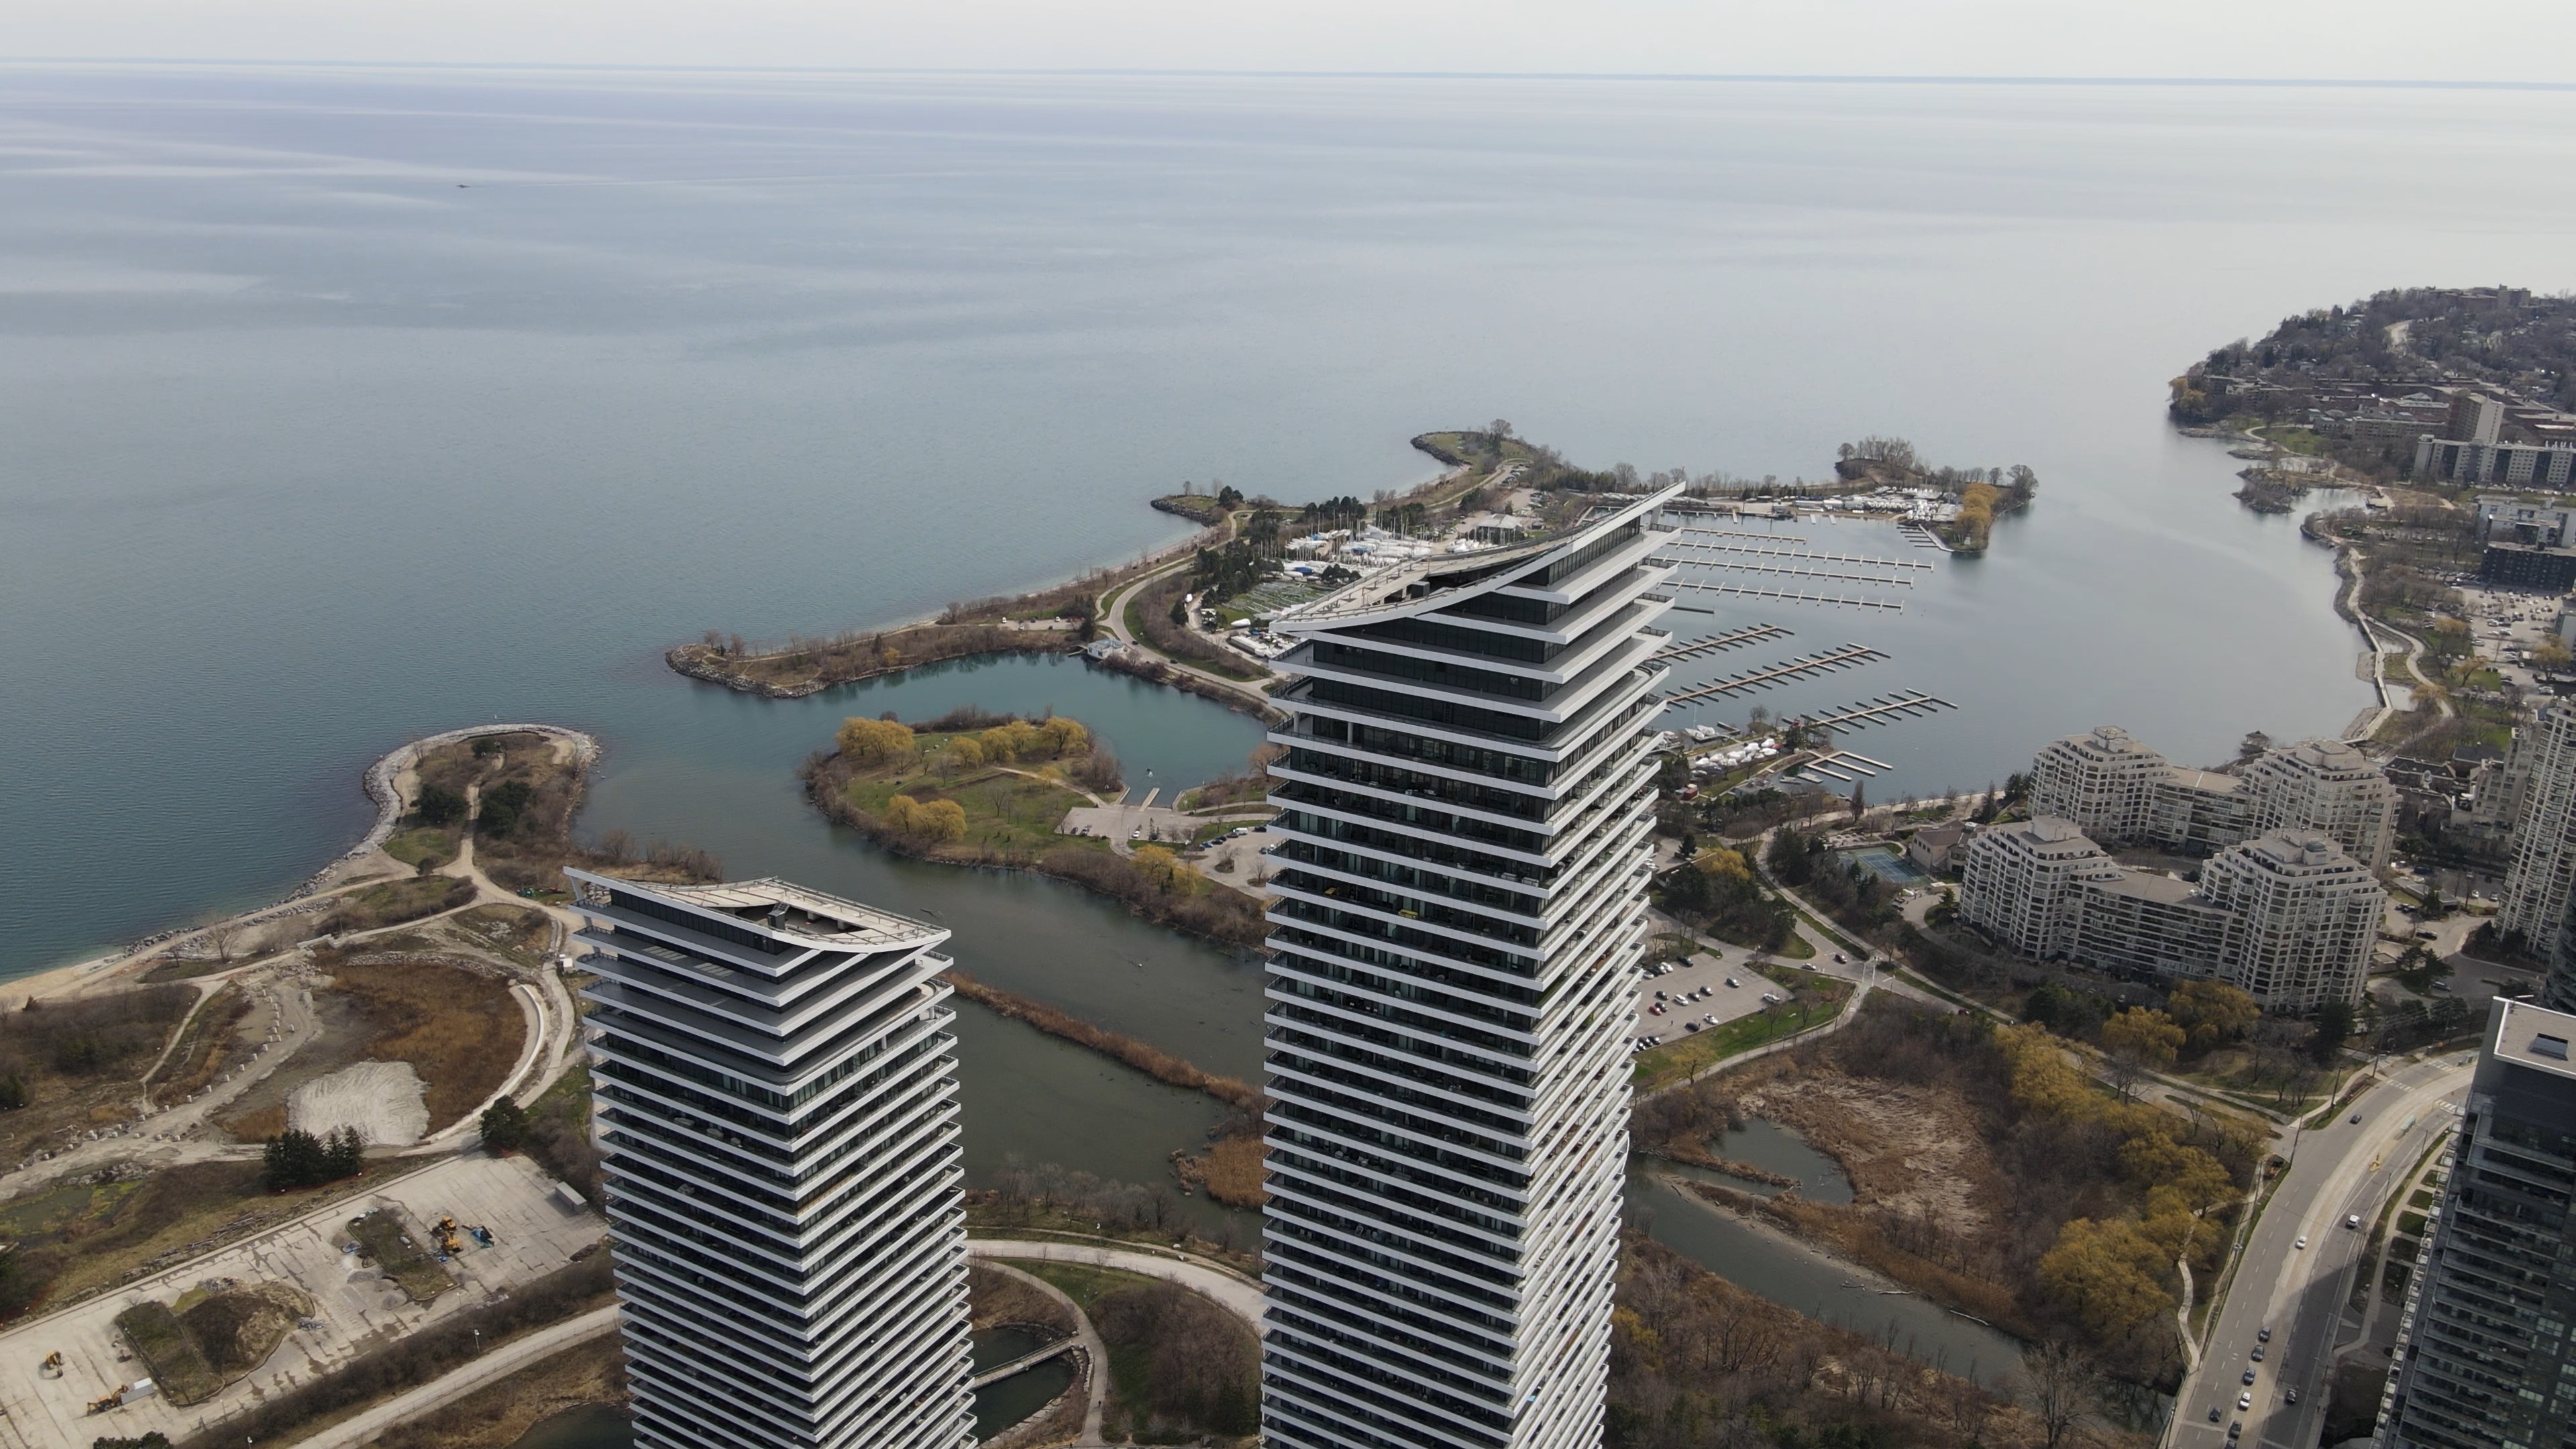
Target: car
point(2352, 1220)
point(1839, 959)
point(1690, 1026)
point(2356, 1116)
point(1711, 1018)
point(2249, 1376)
point(1658, 1010)
point(2236, 1430)
point(1663, 995)
point(2263, 1334)
point(2258, 1353)
point(2291, 1397)
point(2244, 1401)
point(2301, 1243)
point(1770, 999)
point(2216, 1413)
point(1732, 985)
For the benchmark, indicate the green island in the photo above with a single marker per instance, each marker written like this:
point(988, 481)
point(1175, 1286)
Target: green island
point(971, 788)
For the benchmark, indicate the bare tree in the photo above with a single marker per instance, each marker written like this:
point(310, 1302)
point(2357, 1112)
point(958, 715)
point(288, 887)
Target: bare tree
point(1499, 428)
point(2058, 1387)
point(222, 934)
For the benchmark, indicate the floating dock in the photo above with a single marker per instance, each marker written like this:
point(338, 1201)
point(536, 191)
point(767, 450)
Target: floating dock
point(1850, 656)
point(1866, 560)
point(1720, 643)
point(1839, 575)
point(1794, 596)
point(1845, 766)
point(1885, 709)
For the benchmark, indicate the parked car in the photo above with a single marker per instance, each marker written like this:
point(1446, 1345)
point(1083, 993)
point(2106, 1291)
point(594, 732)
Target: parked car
point(2258, 1353)
point(2216, 1413)
point(2244, 1401)
point(2249, 1376)
point(2263, 1334)
point(2301, 1243)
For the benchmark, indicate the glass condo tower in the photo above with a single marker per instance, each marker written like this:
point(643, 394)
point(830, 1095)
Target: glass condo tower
point(776, 1100)
point(1465, 804)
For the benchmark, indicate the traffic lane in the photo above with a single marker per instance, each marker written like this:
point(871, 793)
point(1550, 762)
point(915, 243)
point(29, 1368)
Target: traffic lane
point(2274, 1272)
point(2338, 1251)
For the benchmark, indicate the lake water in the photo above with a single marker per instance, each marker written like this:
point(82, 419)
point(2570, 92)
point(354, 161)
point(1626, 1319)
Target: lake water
point(345, 405)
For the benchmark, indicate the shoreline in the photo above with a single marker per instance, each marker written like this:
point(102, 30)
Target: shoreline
point(378, 780)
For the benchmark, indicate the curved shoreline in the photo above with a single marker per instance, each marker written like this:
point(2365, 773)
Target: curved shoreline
point(377, 780)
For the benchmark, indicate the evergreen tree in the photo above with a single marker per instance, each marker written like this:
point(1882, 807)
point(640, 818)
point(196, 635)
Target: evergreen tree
point(505, 1126)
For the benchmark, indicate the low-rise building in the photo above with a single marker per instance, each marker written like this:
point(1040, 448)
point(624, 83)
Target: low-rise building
point(1934, 849)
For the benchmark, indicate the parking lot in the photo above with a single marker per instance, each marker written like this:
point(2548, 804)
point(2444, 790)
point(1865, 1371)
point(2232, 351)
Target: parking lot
point(354, 1307)
point(1704, 972)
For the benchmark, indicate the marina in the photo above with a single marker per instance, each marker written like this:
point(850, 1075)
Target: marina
point(1720, 643)
point(1865, 560)
point(1794, 596)
point(1885, 709)
point(1849, 656)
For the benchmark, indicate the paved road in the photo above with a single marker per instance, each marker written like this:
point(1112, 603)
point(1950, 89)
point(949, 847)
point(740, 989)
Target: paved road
point(2335, 1171)
point(480, 1373)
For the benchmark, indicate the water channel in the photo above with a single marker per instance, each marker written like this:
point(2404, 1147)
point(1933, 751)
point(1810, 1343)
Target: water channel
point(1768, 1261)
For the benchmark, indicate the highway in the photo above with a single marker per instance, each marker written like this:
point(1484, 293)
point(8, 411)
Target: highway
point(2335, 1171)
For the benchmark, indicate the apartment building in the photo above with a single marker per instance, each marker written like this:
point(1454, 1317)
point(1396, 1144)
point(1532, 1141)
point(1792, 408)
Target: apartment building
point(2287, 916)
point(775, 1089)
point(2022, 883)
point(1455, 949)
point(2307, 916)
point(2119, 791)
point(2540, 852)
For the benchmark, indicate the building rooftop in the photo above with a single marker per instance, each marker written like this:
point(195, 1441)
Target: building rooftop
point(1395, 588)
point(2208, 782)
point(2535, 1037)
point(786, 910)
point(2155, 885)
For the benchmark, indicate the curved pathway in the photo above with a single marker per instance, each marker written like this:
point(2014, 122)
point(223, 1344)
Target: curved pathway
point(1232, 1291)
point(1095, 1355)
point(474, 1375)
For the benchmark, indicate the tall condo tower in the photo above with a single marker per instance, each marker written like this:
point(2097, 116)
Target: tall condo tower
point(2483, 1359)
point(1454, 961)
point(776, 1094)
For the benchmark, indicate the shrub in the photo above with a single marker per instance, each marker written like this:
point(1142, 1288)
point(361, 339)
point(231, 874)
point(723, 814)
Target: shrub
point(504, 1125)
point(504, 805)
point(439, 806)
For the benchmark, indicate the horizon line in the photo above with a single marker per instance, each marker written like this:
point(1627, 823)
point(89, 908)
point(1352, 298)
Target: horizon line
point(1736, 77)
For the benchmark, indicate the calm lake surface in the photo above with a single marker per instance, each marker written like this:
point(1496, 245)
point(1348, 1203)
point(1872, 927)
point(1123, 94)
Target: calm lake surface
point(345, 405)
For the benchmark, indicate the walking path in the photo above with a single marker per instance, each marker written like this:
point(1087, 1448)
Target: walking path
point(1231, 1290)
point(475, 1374)
point(1095, 1357)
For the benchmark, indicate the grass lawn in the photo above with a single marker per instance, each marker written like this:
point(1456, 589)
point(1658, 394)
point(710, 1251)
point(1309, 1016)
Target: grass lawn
point(1006, 809)
point(387, 1242)
point(1081, 1282)
point(1694, 1052)
point(396, 901)
point(422, 847)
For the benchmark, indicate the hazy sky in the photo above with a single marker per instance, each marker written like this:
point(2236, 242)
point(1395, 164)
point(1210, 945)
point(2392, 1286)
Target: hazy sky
point(2459, 40)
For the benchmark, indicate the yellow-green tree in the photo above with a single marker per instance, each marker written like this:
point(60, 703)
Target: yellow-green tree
point(2142, 1036)
point(1161, 867)
point(1018, 740)
point(935, 823)
point(1720, 863)
point(965, 753)
point(874, 741)
point(2213, 1012)
point(2110, 1275)
point(1065, 736)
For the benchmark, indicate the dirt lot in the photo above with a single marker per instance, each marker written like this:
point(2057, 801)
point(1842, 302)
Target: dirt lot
point(1912, 1150)
point(459, 1028)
